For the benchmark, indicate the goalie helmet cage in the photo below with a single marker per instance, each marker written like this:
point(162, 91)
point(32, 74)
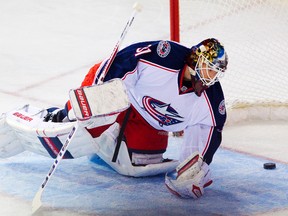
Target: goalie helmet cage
point(254, 33)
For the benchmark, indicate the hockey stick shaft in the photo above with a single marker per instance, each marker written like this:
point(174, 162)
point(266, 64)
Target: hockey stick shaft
point(109, 62)
point(36, 203)
point(37, 198)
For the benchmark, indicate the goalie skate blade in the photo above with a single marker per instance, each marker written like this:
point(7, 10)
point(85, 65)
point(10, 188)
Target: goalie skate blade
point(269, 166)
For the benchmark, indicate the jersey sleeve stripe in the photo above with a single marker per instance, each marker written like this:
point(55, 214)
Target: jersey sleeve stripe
point(159, 66)
point(210, 109)
point(208, 140)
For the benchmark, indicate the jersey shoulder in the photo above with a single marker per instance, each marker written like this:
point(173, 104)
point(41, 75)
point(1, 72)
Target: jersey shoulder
point(164, 53)
point(168, 54)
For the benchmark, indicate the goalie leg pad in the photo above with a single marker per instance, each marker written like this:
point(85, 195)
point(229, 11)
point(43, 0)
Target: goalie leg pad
point(24, 129)
point(144, 159)
point(105, 145)
point(10, 145)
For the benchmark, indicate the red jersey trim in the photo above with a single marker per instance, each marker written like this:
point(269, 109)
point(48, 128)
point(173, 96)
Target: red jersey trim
point(158, 66)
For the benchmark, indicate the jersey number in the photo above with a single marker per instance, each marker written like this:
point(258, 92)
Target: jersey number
point(143, 50)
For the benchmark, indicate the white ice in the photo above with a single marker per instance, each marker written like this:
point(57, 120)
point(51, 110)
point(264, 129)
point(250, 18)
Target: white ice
point(47, 47)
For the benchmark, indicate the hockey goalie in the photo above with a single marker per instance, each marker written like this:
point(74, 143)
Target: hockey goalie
point(152, 88)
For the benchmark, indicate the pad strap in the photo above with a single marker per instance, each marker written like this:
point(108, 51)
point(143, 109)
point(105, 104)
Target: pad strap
point(121, 134)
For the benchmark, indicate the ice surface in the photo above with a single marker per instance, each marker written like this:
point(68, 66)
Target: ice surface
point(241, 187)
point(46, 49)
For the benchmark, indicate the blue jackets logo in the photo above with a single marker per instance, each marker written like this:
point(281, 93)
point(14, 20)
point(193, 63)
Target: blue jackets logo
point(163, 48)
point(161, 112)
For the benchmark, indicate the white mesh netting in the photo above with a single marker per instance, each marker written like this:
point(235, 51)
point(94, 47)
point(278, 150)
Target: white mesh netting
point(254, 33)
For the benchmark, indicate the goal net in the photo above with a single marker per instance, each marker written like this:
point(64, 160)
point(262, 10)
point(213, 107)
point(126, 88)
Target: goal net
point(255, 35)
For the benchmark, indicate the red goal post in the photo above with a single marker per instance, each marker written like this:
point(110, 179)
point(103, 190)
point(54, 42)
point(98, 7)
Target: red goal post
point(174, 20)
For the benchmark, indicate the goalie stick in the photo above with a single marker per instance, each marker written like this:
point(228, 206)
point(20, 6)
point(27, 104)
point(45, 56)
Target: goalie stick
point(137, 8)
point(36, 203)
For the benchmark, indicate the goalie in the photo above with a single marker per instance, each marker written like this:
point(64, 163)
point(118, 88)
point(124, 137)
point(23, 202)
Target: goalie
point(171, 88)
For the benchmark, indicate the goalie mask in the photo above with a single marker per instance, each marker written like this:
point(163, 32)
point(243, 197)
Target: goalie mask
point(208, 61)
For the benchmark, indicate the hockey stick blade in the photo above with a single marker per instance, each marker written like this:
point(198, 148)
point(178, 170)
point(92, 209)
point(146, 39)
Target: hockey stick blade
point(37, 203)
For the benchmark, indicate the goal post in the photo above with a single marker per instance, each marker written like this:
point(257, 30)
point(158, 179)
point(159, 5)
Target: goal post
point(174, 20)
point(254, 33)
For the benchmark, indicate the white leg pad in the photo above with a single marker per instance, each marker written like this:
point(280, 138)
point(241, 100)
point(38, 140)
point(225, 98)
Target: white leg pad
point(9, 144)
point(106, 145)
point(23, 129)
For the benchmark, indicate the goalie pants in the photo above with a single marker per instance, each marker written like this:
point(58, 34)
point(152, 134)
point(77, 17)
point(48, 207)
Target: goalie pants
point(140, 137)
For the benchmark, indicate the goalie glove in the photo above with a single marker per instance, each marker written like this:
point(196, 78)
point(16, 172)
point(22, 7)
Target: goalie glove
point(55, 115)
point(190, 178)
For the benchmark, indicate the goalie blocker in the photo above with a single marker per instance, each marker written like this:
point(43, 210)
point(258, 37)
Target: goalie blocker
point(103, 99)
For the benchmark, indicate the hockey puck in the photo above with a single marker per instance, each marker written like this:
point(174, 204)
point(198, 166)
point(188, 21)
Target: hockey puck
point(269, 165)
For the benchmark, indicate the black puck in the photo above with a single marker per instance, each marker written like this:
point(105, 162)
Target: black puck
point(269, 165)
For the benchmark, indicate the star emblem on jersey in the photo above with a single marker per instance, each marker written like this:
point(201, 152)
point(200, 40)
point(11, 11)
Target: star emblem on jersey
point(161, 112)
